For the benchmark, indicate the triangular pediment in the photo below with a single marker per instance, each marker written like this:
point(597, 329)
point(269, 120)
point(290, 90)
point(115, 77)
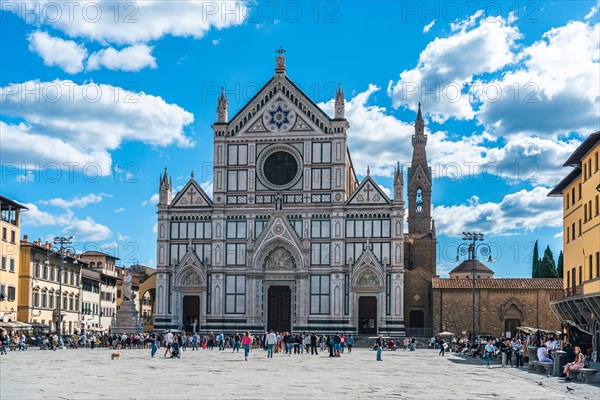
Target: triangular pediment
point(368, 192)
point(367, 271)
point(277, 230)
point(419, 177)
point(191, 271)
point(191, 196)
point(367, 257)
point(280, 107)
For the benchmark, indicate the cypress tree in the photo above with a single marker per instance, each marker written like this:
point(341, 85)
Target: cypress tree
point(536, 261)
point(547, 268)
point(559, 268)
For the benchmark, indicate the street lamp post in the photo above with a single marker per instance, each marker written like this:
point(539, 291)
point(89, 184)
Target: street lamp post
point(61, 241)
point(471, 239)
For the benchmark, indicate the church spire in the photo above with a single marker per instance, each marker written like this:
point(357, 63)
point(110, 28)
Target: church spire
point(165, 189)
point(222, 107)
point(419, 182)
point(280, 61)
point(398, 184)
point(340, 103)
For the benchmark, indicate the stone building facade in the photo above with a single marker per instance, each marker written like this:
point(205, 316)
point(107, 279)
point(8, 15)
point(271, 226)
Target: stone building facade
point(40, 284)
point(501, 305)
point(290, 239)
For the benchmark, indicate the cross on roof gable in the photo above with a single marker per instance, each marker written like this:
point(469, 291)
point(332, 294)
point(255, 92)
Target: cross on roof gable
point(191, 195)
point(368, 192)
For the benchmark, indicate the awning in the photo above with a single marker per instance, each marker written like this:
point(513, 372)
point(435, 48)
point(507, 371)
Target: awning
point(15, 326)
point(531, 331)
point(571, 323)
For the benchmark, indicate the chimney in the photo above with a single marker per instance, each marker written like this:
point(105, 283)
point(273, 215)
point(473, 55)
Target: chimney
point(26, 238)
point(39, 242)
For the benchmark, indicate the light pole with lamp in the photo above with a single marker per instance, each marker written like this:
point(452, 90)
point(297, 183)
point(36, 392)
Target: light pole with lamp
point(471, 239)
point(62, 242)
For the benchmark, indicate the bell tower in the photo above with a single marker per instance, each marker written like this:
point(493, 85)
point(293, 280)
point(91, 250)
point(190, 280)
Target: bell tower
point(419, 182)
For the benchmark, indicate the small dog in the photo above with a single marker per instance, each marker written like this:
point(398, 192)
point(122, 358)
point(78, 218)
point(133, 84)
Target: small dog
point(116, 355)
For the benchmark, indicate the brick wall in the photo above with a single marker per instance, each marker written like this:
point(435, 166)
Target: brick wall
point(452, 310)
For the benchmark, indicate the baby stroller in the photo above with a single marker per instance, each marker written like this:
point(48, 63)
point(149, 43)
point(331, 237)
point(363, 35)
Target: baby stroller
point(175, 350)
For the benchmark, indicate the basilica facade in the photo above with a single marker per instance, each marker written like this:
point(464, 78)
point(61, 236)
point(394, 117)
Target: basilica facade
point(290, 239)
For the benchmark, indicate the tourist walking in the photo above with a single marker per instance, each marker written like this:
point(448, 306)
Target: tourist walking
point(350, 343)
point(168, 342)
point(378, 347)
point(246, 342)
point(154, 340)
point(236, 343)
point(314, 339)
point(489, 351)
point(441, 343)
point(519, 351)
point(271, 339)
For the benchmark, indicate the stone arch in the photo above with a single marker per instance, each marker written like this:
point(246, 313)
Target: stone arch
point(368, 276)
point(263, 253)
point(512, 309)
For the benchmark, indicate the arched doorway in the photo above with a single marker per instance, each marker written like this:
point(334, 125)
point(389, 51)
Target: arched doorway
point(191, 313)
point(367, 315)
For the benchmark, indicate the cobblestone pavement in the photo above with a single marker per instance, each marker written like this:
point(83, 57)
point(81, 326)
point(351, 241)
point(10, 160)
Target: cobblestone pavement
point(90, 374)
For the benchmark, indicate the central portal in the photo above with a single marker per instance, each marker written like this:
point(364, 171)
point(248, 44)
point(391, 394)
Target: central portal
point(367, 315)
point(191, 313)
point(280, 309)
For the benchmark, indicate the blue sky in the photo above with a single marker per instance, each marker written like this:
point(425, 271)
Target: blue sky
point(96, 100)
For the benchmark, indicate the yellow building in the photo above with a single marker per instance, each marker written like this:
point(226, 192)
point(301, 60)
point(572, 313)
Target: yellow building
point(10, 225)
point(580, 191)
point(40, 284)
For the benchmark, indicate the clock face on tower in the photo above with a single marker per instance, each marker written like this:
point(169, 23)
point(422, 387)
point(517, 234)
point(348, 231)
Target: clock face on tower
point(279, 166)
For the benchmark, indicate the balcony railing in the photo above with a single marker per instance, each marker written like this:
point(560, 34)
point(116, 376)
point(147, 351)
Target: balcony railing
point(568, 292)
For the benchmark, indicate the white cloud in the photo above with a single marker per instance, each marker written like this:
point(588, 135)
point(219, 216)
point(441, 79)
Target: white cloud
point(385, 190)
point(68, 122)
point(428, 27)
point(558, 235)
point(216, 42)
point(555, 91)
point(517, 212)
point(22, 147)
point(593, 11)
point(153, 200)
point(123, 237)
point(208, 188)
point(522, 159)
point(65, 54)
point(126, 22)
point(79, 201)
point(82, 229)
point(88, 230)
point(155, 228)
point(132, 58)
point(120, 209)
point(448, 65)
point(373, 131)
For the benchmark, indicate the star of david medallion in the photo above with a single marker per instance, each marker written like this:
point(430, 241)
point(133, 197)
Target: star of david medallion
point(278, 229)
point(280, 118)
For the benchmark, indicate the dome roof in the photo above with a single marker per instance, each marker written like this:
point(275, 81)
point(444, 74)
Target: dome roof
point(468, 265)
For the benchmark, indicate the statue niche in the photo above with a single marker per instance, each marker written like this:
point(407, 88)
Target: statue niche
point(279, 259)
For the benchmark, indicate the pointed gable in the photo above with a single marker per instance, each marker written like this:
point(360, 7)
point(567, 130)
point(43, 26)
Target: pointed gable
point(278, 227)
point(191, 195)
point(368, 192)
point(279, 106)
point(418, 176)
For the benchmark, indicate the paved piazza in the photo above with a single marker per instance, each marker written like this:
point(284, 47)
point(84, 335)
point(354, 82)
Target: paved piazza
point(90, 374)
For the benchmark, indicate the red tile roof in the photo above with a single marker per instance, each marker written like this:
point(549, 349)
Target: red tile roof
point(500, 283)
point(467, 266)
